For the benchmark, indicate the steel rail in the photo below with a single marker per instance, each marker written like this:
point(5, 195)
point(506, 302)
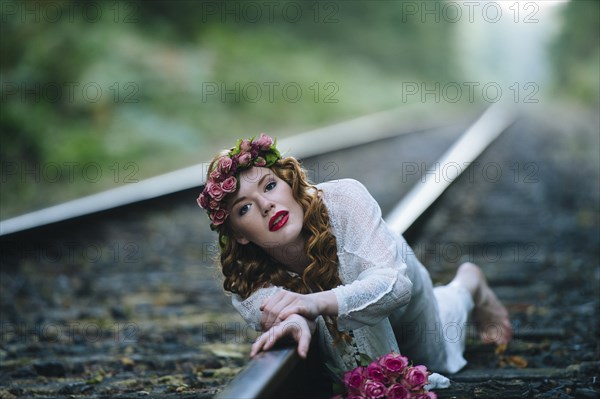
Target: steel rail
point(355, 132)
point(263, 376)
point(461, 154)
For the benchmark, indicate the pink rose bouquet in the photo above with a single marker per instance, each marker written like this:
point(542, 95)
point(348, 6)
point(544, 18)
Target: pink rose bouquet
point(389, 376)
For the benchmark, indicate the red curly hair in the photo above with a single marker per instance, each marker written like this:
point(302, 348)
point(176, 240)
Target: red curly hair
point(247, 268)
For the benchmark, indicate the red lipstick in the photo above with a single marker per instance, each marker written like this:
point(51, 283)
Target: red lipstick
point(278, 220)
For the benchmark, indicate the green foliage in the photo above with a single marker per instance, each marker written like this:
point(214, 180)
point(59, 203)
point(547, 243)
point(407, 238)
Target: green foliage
point(576, 52)
point(365, 359)
point(155, 63)
point(180, 80)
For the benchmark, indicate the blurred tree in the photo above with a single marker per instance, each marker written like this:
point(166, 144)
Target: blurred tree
point(163, 55)
point(576, 51)
point(380, 32)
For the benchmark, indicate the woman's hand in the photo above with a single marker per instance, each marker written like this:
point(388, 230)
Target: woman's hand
point(284, 303)
point(298, 327)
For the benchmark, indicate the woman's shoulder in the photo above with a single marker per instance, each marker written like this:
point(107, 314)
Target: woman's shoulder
point(344, 196)
point(351, 208)
point(342, 187)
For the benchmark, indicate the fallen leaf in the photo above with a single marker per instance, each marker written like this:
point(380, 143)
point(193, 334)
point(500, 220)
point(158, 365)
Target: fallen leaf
point(125, 361)
point(513, 361)
point(517, 361)
point(227, 371)
point(500, 349)
point(98, 378)
point(229, 351)
point(181, 388)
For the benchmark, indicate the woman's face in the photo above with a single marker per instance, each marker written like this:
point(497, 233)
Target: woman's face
point(264, 211)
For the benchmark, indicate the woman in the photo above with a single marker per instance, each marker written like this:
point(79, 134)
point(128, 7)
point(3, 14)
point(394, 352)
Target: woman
point(319, 262)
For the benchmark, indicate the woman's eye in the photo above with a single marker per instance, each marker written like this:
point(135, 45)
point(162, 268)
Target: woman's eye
point(270, 186)
point(244, 209)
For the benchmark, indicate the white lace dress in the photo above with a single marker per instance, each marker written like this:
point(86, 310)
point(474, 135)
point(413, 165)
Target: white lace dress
point(386, 298)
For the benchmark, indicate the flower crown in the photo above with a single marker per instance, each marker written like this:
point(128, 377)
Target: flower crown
point(223, 179)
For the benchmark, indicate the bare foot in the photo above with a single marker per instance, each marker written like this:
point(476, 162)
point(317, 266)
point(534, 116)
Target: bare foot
point(489, 314)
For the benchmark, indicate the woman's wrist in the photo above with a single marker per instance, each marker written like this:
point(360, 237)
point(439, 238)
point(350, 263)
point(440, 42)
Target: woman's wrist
point(326, 302)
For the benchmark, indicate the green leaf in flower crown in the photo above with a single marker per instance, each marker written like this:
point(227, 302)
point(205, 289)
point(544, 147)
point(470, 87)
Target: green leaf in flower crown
point(271, 158)
point(274, 148)
point(275, 151)
point(236, 150)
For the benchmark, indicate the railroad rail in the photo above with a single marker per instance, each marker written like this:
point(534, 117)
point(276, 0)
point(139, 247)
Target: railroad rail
point(262, 378)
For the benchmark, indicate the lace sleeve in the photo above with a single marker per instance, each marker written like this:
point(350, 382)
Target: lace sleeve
point(372, 269)
point(249, 308)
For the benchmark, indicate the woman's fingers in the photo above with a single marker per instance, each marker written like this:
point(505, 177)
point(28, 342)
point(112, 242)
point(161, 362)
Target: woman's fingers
point(303, 305)
point(267, 339)
point(284, 304)
point(272, 299)
point(270, 314)
point(272, 307)
point(294, 308)
point(296, 326)
point(261, 343)
point(303, 343)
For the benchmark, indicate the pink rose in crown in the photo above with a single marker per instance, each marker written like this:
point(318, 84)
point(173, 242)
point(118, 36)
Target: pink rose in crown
point(398, 391)
point(374, 389)
point(229, 185)
point(225, 164)
point(245, 145)
point(260, 161)
point(216, 175)
point(416, 377)
point(202, 201)
point(264, 142)
point(375, 372)
point(222, 180)
point(244, 159)
point(218, 217)
point(215, 191)
point(353, 379)
point(393, 362)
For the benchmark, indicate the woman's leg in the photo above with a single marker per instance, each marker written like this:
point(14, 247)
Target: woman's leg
point(490, 316)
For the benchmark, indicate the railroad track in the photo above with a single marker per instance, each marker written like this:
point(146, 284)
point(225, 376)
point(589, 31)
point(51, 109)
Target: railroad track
point(113, 266)
point(562, 358)
point(502, 224)
point(275, 374)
